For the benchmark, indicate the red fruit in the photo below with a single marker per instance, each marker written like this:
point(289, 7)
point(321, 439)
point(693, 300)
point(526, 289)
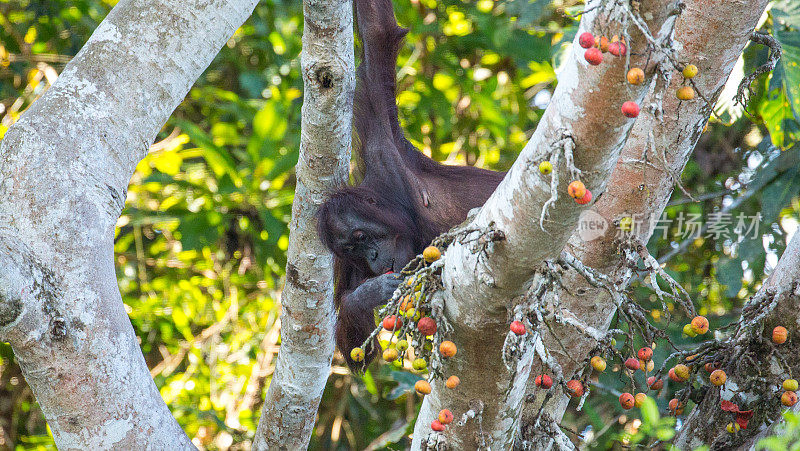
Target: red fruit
point(654, 383)
point(594, 56)
point(675, 406)
point(445, 416)
point(586, 40)
point(632, 364)
point(779, 335)
point(626, 400)
point(674, 376)
point(617, 49)
point(426, 326)
point(517, 327)
point(437, 426)
point(630, 109)
point(544, 381)
point(587, 197)
point(699, 325)
point(575, 388)
point(645, 354)
point(710, 367)
point(789, 398)
point(392, 322)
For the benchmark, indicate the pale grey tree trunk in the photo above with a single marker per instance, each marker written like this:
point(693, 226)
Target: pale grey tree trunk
point(64, 171)
point(582, 125)
point(711, 36)
point(307, 317)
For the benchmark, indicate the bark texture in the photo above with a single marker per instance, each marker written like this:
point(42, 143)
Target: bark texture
point(307, 317)
point(64, 170)
point(710, 35)
point(582, 125)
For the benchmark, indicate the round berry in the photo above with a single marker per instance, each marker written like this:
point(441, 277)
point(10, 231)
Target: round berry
point(779, 335)
point(357, 355)
point(575, 388)
point(630, 109)
point(437, 426)
point(655, 383)
point(401, 345)
point(598, 363)
point(685, 93)
point(635, 76)
point(682, 371)
point(790, 385)
point(639, 399)
point(576, 189)
point(545, 167)
point(700, 325)
point(586, 40)
point(789, 398)
point(594, 56)
point(732, 427)
point(718, 377)
point(632, 364)
point(617, 49)
point(426, 326)
point(392, 322)
point(587, 197)
point(419, 364)
point(431, 254)
point(452, 382)
point(626, 400)
point(390, 354)
point(447, 349)
point(445, 416)
point(645, 354)
point(690, 71)
point(422, 387)
point(517, 327)
point(688, 331)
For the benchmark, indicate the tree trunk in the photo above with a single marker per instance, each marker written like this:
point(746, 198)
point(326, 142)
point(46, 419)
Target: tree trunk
point(711, 36)
point(582, 126)
point(64, 173)
point(307, 318)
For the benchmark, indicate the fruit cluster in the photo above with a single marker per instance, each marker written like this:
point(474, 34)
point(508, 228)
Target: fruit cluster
point(596, 46)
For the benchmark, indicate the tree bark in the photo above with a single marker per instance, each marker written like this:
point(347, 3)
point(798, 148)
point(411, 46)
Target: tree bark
point(710, 35)
point(582, 124)
point(64, 170)
point(307, 317)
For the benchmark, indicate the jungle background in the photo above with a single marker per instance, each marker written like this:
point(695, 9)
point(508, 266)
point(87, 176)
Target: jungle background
point(200, 247)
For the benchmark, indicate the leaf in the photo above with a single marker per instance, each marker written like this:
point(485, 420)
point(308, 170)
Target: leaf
point(650, 412)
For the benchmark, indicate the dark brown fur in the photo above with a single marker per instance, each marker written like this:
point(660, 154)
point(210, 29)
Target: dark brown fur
point(404, 193)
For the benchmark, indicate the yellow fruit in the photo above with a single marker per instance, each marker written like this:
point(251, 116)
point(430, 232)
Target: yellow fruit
point(790, 385)
point(357, 354)
point(390, 355)
point(431, 254)
point(422, 387)
point(635, 76)
point(687, 329)
point(718, 377)
point(545, 167)
point(639, 399)
point(685, 93)
point(598, 363)
point(732, 428)
point(576, 189)
point(689, 71)
point(682, 371)
point(419, 364)
point(626, 224)
point(401, 345)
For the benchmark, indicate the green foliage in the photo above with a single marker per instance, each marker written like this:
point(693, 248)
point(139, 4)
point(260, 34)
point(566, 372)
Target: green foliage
point(200, 248)
point(786, 437)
